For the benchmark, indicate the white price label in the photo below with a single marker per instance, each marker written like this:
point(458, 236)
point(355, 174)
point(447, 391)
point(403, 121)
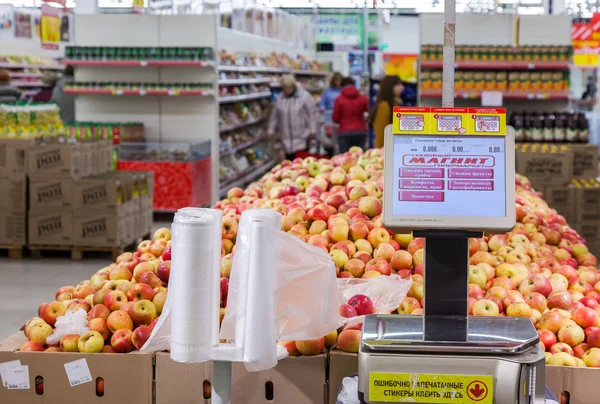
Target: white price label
point(16, 377)
point(6, 365)
point(142, 92)
point(530, 66)
point(119, 92)
point(143, 63)
point(172, 92)
point(78, 372)
point(530, 96)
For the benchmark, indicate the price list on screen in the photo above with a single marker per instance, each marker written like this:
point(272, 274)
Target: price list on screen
point(449, 176)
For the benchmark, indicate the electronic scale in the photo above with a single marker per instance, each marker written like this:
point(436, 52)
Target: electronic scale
point(448, 178)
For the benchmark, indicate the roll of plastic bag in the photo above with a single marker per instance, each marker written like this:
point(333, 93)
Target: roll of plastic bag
point(189, 322)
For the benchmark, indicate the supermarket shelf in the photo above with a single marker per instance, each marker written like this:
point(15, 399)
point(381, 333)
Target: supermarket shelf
point(26, 75)
point(29, 84)
point(250, 174)
point(244, 97)
point(525, 96)
point(141, 63)
point(240, 125)
point(139, 92)
point(267, 69)
point(275, 84)
point(501, 65)
point(243, 146)
point(30, 66)
point(235, 82)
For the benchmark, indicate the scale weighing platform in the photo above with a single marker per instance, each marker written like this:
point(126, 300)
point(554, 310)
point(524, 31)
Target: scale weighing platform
point(449, 177)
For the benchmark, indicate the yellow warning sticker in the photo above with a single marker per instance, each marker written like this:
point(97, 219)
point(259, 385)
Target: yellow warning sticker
point(430, 388)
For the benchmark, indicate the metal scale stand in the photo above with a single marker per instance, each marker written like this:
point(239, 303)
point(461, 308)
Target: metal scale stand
point(446, 356)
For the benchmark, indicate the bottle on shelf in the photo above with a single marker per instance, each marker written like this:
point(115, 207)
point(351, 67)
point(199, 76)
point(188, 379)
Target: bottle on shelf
point(549, 125)
point(516, 121)
point(560, 128)
point(528, 123)
point(537, 133)
point(572, 128)
point(583, 132)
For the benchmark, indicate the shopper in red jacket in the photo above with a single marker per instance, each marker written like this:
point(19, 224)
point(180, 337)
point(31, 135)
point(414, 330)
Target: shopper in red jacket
point(349, 111)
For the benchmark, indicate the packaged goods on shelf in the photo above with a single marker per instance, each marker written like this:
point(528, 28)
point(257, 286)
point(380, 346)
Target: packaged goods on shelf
point(550, 127)
point(30, 120)
point(127, 132)
point(138, 88)
point(278, 63)
point(29, 62)
point(491, 54)
point(112, 53)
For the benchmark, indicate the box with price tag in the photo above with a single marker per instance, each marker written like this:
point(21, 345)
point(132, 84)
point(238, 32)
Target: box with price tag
point(73, 378)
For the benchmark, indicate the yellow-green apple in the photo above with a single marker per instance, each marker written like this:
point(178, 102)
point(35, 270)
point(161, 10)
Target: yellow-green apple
point(140, 335)
point(538, 238)
point(99, 325)
point(497, 241)
point(77, 304)
point(30, 346)
point(120, 273)
point(561, 347)
point(586, 317)
point(419, 257)
point(384, 251)
point(115, 299)
point(370, 206)
point(535, 316)
point(571, 334)
point(64, 296)
point(547, 337)
point(339, 257)
point(64, 289)
point(164, 271)
point(349, 245)
point(536, 301)
point(229, 228)
point(356, 267)
point(562, 359)
point(477, 276)
point(403, 239)
point(502, 281)
point(338, 230)
point(485, 307)
point(165, 234)
point(362, 304)
point(498, 303)
point(98, 280)
point(592, 358)
point(143, 312)
point(378, 236)
point(490, 272)
point(547, 356)
point(30, 323)
point(518, 309)
point(401, 260)
point(118, 320)
point(408, 305)
point(379, 265)
point(363, 256)
point(589, 277)
point(81, 291)
point(580, 349)
point(159, 301)
point(90, 342)
point(53, 349)
point(151, 279)
point(551, 321)
point(69, 343)
point(226, 244)
point(121, 341)
point(331, 339)
point(349, 340)
point(347, 311)
point(561, 300)
point(98, 311)
point(140, 291)
point(536, 283)
point(514, 257)
point(364, 245)
point(100, 295)
point(311, 347)
point(144, 247)
point(142, 268)
point(51, 311)
point(579, 285)
point(317, 227)
point(559, 282)
point(483, 257)
point(358, 230)
point(158, 247)
point(415, 245)
point(498, 291)
point(579, 249)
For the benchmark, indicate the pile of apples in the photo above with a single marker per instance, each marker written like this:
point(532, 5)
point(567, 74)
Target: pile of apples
point(123, 303)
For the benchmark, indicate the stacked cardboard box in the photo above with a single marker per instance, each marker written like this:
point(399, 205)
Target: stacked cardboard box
point(587, 212)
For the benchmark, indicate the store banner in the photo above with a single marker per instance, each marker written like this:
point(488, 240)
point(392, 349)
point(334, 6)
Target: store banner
point(401, 65)
point(345, 31)
point(23, 24)
point(50, 27)
point(585, 47)
point(7, 21)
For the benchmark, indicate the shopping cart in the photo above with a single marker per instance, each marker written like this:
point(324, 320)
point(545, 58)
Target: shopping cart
point(326, 137)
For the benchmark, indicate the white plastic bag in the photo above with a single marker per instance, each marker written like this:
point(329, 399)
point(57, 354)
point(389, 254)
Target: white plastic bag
point(349, 392)
point(386, 293)
point(70, 323)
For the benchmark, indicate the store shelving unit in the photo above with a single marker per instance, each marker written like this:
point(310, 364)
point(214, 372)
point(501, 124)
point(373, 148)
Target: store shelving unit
point(244, 97)
point(250, 122)
point(506, 96)
point(166, 93)
point(141, 63)
point(500, 66)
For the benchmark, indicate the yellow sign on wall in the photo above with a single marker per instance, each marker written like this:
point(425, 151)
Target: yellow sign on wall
point(50, 27)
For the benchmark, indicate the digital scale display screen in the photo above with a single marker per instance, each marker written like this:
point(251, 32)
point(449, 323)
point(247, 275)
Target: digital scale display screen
point(449, 175)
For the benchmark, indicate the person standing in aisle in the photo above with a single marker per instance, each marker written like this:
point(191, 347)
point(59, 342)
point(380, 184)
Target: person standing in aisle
point(294, 115)
point(349, 112)
point(388, 97)
point(49, 79)
point(326, 104)
point(8, 93)
point(65, 102)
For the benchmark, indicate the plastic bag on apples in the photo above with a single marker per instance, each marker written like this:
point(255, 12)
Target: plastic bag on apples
point(349, 392)
point(70, 323)
point(386, 293)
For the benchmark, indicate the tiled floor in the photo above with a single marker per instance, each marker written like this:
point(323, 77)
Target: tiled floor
point(27, 283)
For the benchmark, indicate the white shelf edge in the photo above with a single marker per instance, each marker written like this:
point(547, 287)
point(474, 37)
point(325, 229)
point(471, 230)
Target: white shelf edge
point(244, 97)
point(234, 82)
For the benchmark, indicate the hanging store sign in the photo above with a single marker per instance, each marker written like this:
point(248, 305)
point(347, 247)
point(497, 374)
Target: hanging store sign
point(585, 47)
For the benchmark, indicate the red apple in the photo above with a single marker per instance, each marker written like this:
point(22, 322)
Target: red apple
point(362, 304)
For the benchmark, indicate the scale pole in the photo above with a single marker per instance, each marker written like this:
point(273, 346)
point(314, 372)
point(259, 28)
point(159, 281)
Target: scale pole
point(448, 61)
point(221, 383)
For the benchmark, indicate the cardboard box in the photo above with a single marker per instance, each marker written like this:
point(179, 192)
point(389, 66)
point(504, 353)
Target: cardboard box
point(13, 227)
point(341, 364)
point(60, 158)
point(545, 165)
point(590, 231)
point(177, 383)
point(127, 377)
point(14, 191)
point(13, 156)
point(97, 192)
point(587, 197)
point(50, 227)
point(50, 191)
point(295, 380)
point(579, 384)
point(563, 200)
point(585, 160)
point(100, 228)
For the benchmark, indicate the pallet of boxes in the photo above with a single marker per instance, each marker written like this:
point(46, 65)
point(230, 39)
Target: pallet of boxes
point(567, 175)
point(77, 204)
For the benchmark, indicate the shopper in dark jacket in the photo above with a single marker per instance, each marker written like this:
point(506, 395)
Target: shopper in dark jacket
point(349, 111)
point(8, 93)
